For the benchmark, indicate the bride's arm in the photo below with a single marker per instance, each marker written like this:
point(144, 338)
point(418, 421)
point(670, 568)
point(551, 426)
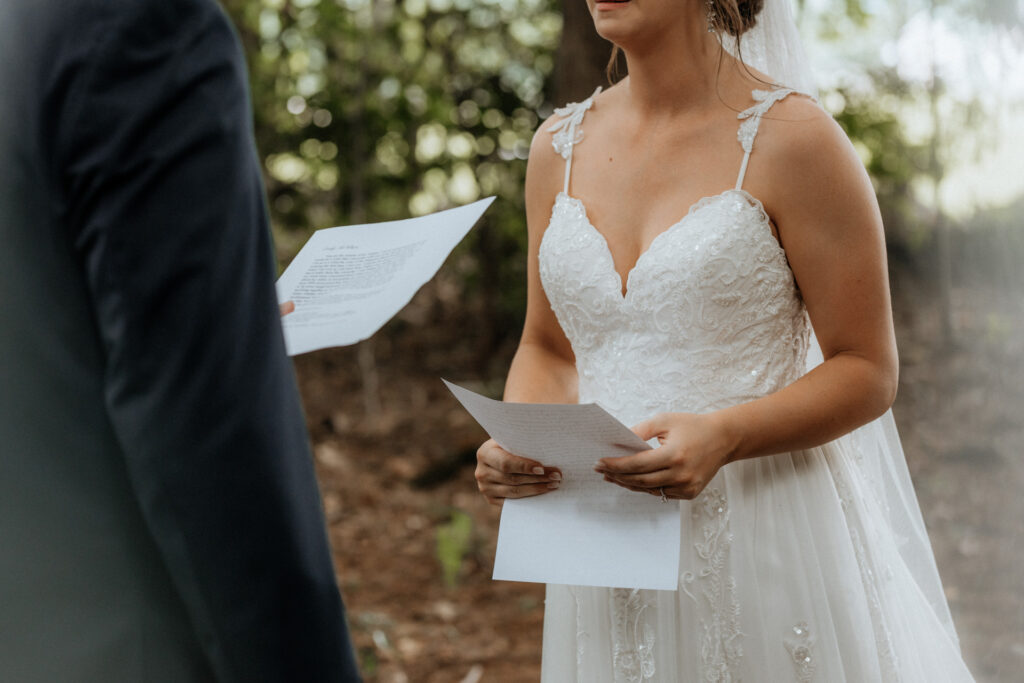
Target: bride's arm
point(829, 225)
point(543, 369)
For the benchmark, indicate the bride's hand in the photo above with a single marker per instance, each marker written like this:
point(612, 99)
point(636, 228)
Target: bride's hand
point(501, 475)
point(692, 449)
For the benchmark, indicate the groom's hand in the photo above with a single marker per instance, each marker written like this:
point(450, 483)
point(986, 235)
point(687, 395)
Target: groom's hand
point(287, 307)
point(501, 475)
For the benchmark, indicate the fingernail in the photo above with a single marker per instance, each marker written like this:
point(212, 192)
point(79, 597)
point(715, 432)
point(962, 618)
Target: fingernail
point(554, 485)
point(538, 470)
point(557, 476)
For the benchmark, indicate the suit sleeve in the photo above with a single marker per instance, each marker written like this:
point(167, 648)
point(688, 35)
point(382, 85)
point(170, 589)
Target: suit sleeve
point(165, 205)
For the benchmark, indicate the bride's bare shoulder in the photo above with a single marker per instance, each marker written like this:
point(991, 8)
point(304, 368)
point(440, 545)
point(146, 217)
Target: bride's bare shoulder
point(798, 115)
point(798, 129)
point(796, 134)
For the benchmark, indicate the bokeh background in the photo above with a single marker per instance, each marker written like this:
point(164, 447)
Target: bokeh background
point(370, 110)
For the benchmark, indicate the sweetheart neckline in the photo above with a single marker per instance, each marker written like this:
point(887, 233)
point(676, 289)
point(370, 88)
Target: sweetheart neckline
point(624, 288)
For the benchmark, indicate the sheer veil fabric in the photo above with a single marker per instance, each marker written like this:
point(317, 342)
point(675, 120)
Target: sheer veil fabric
point(805, 566)
point(774, 47)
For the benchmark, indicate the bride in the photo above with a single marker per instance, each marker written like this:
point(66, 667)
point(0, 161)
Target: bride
point(687, 228)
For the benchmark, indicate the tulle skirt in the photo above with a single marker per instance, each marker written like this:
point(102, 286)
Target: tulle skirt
point(806, 566)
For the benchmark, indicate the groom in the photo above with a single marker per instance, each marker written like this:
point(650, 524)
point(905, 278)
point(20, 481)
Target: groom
point(159, 518)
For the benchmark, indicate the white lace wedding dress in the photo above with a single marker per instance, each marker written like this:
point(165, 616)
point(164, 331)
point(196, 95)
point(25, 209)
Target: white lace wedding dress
point(806, 566)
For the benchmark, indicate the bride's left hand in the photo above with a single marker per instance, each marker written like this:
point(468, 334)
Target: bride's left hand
point(692, 449)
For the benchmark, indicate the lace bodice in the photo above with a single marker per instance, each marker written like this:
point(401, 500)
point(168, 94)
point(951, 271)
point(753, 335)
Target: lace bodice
point(711, 315)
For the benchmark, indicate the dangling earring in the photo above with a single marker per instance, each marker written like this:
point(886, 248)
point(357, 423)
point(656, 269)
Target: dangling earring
point(712, 16)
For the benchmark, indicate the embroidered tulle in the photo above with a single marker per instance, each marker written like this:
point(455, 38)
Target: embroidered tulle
point(711, 316)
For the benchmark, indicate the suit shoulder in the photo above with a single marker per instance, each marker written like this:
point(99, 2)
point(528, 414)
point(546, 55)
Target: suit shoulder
point(82, 16)
point(155, 20)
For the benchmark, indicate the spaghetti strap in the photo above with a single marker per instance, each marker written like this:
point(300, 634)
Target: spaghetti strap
point(567, 132)
point(752, 120)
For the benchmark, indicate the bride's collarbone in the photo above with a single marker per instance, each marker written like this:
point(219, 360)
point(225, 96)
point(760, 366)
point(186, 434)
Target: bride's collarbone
point(634, 186)
point(631, 210)
point(630, 201)
point(611, 177)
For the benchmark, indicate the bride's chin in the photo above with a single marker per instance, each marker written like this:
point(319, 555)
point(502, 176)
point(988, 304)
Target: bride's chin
point(615, 32)
point(621, 30)
point(625, 41)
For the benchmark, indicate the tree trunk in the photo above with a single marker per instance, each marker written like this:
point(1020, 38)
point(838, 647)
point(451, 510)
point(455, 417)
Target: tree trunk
point(358, 160)
point(582, 55)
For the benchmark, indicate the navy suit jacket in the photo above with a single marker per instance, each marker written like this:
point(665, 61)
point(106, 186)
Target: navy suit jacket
point(159, 516)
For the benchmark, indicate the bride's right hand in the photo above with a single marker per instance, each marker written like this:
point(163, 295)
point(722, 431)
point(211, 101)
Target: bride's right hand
point(501, 475)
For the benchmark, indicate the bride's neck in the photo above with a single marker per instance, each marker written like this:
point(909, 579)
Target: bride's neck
point(674, 76)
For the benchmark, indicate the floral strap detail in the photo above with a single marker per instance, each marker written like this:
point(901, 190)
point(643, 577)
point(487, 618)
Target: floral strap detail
point(632, 637)
point(567, 132)
point(752, 120)
point(752, 117)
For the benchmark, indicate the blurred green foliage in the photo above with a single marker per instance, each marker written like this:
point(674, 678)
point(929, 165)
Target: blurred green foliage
point(378, 110)
point(891, 159)
point(453, 542)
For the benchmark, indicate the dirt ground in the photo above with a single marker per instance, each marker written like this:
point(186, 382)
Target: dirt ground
point(396, 470)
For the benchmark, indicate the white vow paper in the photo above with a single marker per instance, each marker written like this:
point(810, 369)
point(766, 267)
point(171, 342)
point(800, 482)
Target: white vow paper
point(588, 532)
point(347, 282)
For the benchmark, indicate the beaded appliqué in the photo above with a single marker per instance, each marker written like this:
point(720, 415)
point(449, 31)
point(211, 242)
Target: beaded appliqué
point(582, 637)
point(752, 117)
point(721, 648)
point(799, 643)
point(567, 132)
point(633, 638)
point(889, 660)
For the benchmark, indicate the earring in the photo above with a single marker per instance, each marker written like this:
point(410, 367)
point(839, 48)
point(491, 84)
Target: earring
point(712, 16)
